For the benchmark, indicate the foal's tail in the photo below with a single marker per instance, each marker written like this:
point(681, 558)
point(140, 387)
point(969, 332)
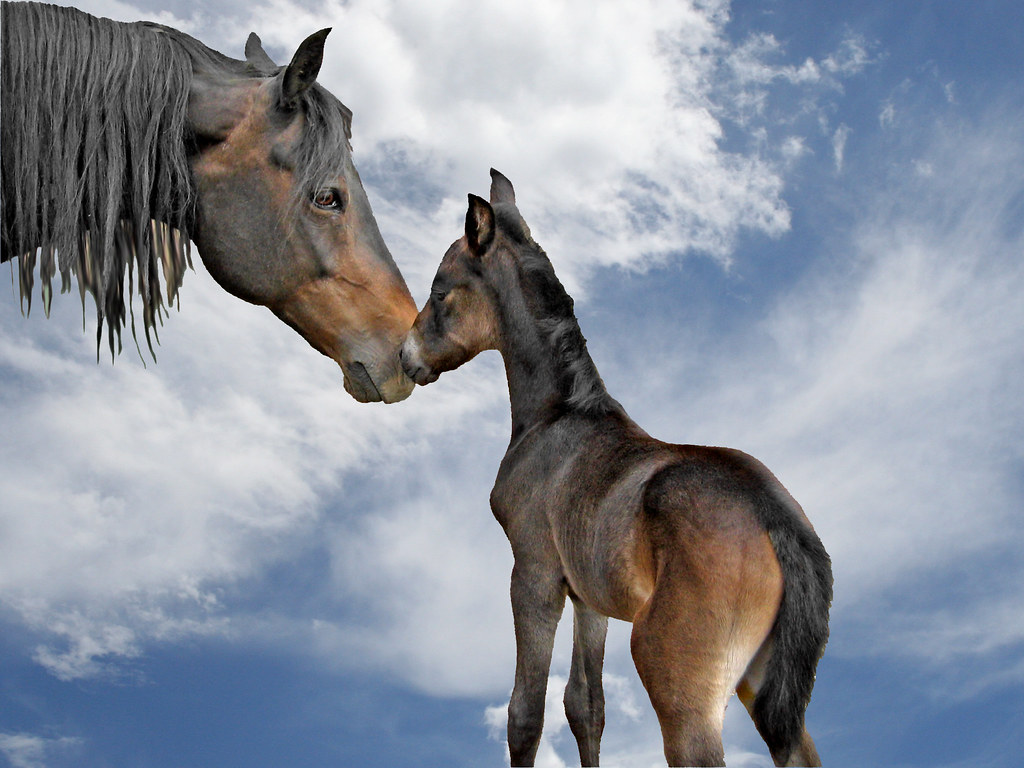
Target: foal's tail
point(800, 632)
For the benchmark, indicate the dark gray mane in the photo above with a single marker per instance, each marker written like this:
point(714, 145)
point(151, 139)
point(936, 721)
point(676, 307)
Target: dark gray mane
point(96, 179)
point(553, 311)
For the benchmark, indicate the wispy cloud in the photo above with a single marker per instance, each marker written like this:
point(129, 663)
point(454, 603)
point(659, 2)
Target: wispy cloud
point(24, 750)
point(754, 71)
point(839, 138)
point(887, 117)
point(853, 56)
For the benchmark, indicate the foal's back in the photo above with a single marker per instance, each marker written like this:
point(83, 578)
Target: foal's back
point(615, 500)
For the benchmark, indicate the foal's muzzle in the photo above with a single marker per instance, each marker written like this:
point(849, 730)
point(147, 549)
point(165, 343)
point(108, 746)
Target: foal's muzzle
point(412, 362)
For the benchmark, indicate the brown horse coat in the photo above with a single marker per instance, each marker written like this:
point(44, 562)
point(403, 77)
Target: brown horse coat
point(702, 549)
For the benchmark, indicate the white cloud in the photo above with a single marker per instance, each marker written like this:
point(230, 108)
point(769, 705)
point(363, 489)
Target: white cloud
point(24, 750)
point(946, 635)
point(793, 148)
point(601, 117)
point(887, 117)
point(756, 63)
point(852, 57)
point(133, 496)
point(839, 138)
point(751, 63)
point(83, 658)
point(923, 169)
point(119, 11)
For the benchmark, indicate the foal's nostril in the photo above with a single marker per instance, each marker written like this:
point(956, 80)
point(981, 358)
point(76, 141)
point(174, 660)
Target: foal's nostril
point(409, 367)
point(415, 372)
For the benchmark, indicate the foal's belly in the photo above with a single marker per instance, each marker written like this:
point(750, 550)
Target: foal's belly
point(604, 556)
point(612, 588)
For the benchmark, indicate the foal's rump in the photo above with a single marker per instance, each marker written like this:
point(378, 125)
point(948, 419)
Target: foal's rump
point(708, 510)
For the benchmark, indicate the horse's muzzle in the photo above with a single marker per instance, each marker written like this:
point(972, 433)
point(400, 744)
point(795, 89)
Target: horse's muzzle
point(360, 384)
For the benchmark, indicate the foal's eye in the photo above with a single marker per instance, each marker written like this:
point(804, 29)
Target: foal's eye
point(329, 199)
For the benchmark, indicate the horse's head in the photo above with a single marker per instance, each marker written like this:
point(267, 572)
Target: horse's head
point(283, 219)
point(461, 317)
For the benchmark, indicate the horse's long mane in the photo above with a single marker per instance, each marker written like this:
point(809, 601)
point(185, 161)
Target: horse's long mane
point(95, 171)
point(553, 311)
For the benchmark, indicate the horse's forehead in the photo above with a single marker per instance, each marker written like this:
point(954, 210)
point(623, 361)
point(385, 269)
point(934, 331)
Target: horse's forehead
point(248, 103)
point(286, 134)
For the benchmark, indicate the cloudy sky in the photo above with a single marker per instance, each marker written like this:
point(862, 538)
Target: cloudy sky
point(793, 228)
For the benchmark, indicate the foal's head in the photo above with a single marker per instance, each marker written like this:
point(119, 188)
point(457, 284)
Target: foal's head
point(462, 317)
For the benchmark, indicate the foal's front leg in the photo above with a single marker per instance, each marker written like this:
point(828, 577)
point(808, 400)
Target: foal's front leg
point(584, 694)
point(538, 596)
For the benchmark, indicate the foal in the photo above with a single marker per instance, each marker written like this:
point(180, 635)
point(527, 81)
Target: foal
point(702, 549)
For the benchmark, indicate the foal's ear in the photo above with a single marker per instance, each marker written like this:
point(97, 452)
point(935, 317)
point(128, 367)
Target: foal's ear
point(257, 58)
point(302, 71)
point(479, 225)
point(501, 189)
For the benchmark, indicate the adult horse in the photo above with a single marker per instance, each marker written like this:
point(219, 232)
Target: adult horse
point(702, 549)
point(120, 142)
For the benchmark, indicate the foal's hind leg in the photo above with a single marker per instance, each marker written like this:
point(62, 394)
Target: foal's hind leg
point(584, 693)
point(678, 649)
point(538, 596)
point(693, 640)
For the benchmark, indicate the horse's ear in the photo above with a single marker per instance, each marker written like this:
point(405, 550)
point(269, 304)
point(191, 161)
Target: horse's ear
point(501, 189)
point(479, 225)
point(257, 58)
point(302, 71)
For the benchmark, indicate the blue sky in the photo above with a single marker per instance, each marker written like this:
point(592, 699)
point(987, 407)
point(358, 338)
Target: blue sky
point(793, 228)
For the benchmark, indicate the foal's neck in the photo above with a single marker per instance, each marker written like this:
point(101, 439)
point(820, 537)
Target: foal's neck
point(550, 372)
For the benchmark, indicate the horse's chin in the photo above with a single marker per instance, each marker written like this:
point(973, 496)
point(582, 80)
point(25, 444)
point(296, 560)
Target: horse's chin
point(361, 385)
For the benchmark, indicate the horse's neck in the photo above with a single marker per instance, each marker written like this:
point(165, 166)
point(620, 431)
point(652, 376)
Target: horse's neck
point(547, 378)
point(532, 388)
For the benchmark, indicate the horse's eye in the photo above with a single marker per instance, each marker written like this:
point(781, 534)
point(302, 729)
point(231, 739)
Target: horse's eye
point(438, 295)
point(329, 199)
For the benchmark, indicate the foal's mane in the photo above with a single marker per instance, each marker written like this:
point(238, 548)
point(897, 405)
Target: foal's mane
point(552, 309)
point(96, 143)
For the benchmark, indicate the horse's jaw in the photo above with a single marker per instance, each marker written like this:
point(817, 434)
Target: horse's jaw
point(364, 344)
